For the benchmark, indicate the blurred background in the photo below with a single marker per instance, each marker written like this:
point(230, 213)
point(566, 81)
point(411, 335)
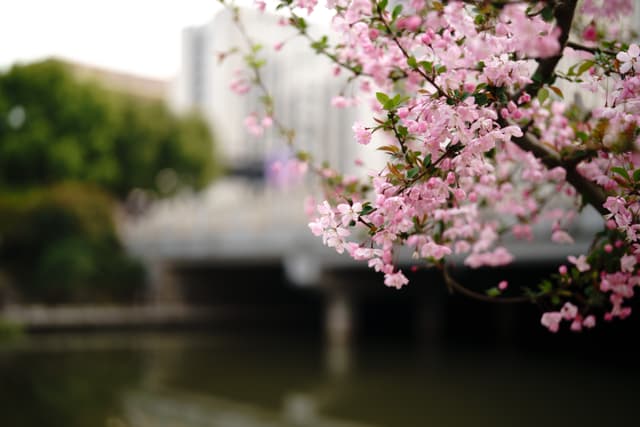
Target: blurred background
point(156, 268)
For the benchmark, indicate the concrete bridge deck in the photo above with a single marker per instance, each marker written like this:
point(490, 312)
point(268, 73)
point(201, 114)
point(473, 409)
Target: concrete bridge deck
point(233, 222)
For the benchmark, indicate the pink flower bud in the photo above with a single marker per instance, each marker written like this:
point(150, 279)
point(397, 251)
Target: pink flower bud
point(459, 194)
point(576, 325)
point(451, 178)
point(590, 33)
point(524, 98)
point(589, 321)
point(411, 23)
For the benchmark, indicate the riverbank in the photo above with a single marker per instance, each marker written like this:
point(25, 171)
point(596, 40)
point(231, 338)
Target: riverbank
point(72, 317)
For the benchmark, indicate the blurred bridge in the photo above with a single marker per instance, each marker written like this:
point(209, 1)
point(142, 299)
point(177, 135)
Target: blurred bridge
point(235, 223)
point(232, 222)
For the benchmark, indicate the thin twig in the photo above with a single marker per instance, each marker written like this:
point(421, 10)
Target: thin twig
point(406, 54)
point(456, 286)
point(594, 50)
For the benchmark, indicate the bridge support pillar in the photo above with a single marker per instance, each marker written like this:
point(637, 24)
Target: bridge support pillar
point(340, 325)
point(162, 285)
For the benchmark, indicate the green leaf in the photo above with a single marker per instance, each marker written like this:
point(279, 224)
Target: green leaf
point(547, 13)
point(441, 69)
point(382, 97)
point(396, 12)
point(636, 175)
point(320, 45)
point(582, 136)
point(299, 23)
point(303, 156)
point(585, 66)
point(427, 66)
point(383, 4)
point(543, 94)
point(412, 62)
point(481, 98)
point(545, 286)
point(493, 292)
point(413, 172)
point(366, 209)
point(622, 172)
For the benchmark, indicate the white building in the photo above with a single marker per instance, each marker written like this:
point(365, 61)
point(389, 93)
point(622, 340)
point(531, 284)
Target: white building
point(301, 82)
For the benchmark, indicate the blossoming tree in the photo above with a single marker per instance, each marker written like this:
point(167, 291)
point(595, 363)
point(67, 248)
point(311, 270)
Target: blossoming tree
point(482, 138)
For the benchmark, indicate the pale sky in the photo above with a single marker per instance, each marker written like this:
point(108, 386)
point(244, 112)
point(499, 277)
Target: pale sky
point(135, 36)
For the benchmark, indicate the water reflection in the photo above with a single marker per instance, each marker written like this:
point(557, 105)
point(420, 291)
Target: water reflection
point(193, 380)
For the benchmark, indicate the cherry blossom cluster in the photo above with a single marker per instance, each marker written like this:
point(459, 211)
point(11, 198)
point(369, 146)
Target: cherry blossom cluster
point(468, 105)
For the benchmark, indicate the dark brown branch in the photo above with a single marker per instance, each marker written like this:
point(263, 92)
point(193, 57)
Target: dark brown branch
point(455, 286)
point(563, 12)
point(590, 192)
point(594, 50)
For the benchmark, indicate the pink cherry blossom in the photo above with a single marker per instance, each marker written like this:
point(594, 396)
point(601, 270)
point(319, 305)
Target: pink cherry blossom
point(561, 236)
point(395, 280)
point(569, 311)
point(551, 320)
point(628, 263)
point(475, 152)
point(362, 135)
point(589, 321)
point(580, 262)
point(629, 60)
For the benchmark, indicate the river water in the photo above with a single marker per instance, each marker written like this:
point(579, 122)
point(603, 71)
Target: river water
point(197, 379)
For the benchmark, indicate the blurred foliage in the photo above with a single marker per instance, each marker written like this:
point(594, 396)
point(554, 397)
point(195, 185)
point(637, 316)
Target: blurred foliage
point(54, 127)
point(68, 149)
point(60, 244)
point(10, 331)
point(69, 388)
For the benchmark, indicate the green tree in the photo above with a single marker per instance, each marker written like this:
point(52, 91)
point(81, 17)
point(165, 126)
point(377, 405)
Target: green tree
point(69, 150)
point(54, 127)
point(60, 244)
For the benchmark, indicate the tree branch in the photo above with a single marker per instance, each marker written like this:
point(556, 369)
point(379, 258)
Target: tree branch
point(455, 286)
point(563, 12)
point(591, 193)
point(406, 54)
point(594, 50)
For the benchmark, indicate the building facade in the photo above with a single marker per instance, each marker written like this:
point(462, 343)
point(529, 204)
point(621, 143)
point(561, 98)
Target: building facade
point(301, 83)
